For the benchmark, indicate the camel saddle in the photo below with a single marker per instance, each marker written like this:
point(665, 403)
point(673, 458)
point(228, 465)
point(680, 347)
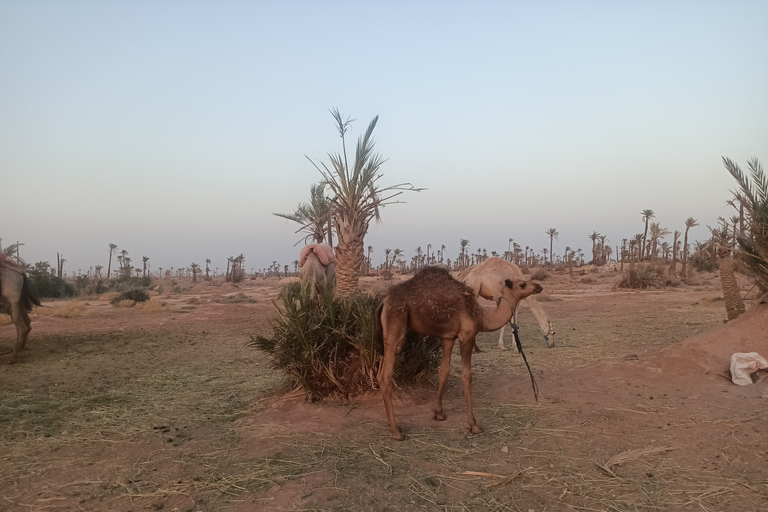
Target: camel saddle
point(7, 263)
point(324, 253)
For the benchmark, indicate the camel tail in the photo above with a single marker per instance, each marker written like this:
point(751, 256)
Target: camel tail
point(379, 328)
point(28, 298)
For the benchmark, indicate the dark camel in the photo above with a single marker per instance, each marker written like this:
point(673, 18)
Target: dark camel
point(16, 299)
point(433, 303)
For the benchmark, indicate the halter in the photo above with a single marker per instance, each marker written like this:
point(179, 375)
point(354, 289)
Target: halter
point(513, 325)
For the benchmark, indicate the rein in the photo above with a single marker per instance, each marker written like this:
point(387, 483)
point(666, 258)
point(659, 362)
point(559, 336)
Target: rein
point(513, 325)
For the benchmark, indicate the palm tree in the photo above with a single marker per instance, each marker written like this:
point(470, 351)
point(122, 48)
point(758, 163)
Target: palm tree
point(314, 216)
point(690, 222)
point(386, 260)
point(195, 269)
point(647, 216)
point(429, 246)
point(463, 243)
point(368, 266)
point(357, 197)
point(552, 233)
point(753, 235)
point(657, 233)
point(144, 260)
point(207, 268)
point(112, 248)
point(419, 256)
point(594, 236)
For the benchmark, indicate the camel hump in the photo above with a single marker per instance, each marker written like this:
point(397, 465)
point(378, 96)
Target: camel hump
point(324, 253)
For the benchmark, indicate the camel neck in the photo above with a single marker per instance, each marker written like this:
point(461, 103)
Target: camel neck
point(494, 319)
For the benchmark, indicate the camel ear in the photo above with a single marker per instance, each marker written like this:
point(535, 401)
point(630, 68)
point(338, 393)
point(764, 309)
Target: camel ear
point(509, 283)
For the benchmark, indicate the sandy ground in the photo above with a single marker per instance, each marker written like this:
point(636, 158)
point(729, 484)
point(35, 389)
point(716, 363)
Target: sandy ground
point(165, 407)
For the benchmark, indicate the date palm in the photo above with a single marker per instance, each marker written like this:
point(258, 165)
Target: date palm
point(690, 222)
point(144, 260)
point(657, 233)
point(647, 216)
point(314, 216)
point(594, 237)
point(463, 243)
point(112, 248)
point(553, 234)
point(753, 241)
point(357, 198)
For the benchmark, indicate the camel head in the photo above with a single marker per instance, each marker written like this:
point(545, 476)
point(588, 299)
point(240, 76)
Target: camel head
point(519, 289)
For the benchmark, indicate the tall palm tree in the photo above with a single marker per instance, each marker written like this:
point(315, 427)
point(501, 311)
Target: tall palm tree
point(442, 252)
point(594, 236)
point(195, 269)
point(690, 222)
point(314, 216)
point(552, 233)
point(386, 259)
point(368, 266)
point(112, 249)
point(419, 256)
point(647, 216)
point(207, 268)
point(657, 233)
point(357, 198)
point(144, 260)
point(463, 243)
point(396, 254)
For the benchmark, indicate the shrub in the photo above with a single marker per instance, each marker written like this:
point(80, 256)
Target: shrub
point(44, 284)
point(540, 274)
point(135, 295)
point(327, 345)
point(86, 286)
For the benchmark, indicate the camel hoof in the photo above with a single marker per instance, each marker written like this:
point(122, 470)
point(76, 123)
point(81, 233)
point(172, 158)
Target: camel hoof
point(398, 437)
point(476, 430)
point(439, 416)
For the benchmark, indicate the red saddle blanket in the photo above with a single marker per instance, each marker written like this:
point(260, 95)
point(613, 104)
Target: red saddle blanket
point(5, 262)
point(324, 253)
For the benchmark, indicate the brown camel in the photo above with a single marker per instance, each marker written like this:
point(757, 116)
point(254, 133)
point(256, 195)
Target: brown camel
point(16, 299)
point(487, 281)
point(433, 303)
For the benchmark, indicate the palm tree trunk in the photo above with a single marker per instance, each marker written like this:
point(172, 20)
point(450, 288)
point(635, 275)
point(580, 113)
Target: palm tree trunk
point(734, 305)
point(349, 258)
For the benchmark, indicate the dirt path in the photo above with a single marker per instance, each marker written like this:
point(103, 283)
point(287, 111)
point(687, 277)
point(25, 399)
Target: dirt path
point(167, 408)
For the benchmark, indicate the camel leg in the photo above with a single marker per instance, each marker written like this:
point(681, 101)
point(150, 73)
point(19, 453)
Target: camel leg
point(501, 338)
point(465, 347)
point(23, 326)
point(394, 340)
point(445, 368)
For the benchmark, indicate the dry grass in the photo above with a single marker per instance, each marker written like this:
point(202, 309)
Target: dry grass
point(151, 306)
point(69, 309)
point(109, 296)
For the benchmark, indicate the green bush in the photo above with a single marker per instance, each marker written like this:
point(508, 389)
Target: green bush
point(44, 284)
point(135, 294)
point(327, 345)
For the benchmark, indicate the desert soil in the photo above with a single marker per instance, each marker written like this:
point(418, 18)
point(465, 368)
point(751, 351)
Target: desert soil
point(166, 407)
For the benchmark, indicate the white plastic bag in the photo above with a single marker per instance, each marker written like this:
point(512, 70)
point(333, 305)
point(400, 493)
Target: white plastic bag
point(743, 365)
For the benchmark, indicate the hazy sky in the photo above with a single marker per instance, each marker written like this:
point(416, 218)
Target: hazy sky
point(175, 129)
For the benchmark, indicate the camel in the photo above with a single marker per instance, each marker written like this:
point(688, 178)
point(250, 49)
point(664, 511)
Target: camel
point(16, 299)
point(487, 281)
point(318, 268)
point(433, 303)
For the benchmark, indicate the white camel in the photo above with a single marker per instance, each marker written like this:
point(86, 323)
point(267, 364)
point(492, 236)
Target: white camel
point(487, 281)
point(318, 268)
point(16, 299)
